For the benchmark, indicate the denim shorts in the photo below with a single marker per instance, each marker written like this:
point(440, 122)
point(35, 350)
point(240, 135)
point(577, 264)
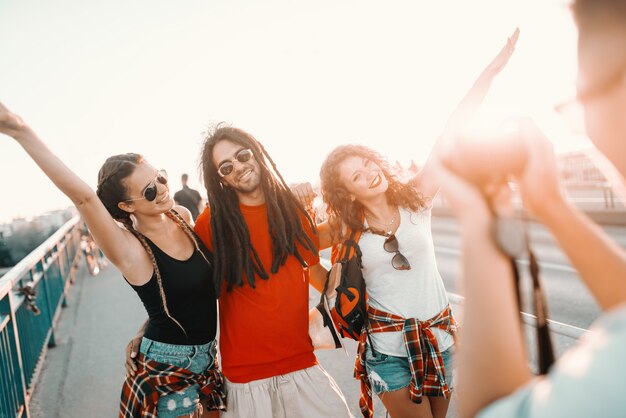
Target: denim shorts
point(388, 373)
point(195, 358)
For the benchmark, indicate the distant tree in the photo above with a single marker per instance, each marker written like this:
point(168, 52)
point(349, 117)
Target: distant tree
point(5, 253)
point(23, 241)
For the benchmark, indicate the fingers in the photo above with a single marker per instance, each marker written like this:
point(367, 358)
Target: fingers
point(304, 193)
point(512, 40)
point(307, 191)
point(10, 123)
point(131, 369)
point(301, 197)
point(131, 353)
point(310, 190)
point(135, 343)
point(500, 196)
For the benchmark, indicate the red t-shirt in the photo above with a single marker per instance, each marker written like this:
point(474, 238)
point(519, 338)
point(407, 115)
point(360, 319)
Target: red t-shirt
point(264, 331)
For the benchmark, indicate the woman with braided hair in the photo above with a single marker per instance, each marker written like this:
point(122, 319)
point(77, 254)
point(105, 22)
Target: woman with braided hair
point(160, 256)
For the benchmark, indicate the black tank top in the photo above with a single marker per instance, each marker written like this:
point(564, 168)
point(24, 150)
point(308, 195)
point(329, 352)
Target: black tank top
point(190, 297)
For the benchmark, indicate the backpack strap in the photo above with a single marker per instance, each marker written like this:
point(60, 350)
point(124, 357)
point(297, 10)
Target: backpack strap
point(349, 249)
point(352, 249)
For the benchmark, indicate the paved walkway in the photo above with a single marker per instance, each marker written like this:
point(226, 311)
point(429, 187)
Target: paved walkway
point(83, 374)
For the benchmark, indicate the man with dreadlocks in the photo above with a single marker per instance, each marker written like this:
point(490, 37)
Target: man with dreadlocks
point(263, 241)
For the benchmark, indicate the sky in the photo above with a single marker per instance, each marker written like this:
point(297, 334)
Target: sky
point(96, 79)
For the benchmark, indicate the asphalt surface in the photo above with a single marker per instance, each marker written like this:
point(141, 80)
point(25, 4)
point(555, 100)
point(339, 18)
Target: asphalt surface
point(82, 376)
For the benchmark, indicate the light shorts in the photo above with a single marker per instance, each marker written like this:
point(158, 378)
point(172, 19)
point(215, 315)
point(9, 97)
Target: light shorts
point(309, 393)
point(195, 358)
point(388, 373)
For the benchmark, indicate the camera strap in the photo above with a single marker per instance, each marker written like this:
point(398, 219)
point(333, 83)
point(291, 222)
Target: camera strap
point(511, 237)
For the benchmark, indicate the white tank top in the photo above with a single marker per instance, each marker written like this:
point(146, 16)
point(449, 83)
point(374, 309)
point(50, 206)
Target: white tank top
point(415, 293)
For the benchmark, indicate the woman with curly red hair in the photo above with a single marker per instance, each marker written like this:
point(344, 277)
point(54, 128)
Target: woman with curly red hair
point(405, 355)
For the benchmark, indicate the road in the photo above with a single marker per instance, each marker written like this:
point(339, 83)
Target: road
point(569, 301)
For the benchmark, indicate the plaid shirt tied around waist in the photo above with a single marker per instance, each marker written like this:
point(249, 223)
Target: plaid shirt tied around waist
point(427, 370)
point(141, 392)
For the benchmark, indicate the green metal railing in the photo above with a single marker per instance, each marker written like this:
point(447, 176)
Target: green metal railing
point(31, 297)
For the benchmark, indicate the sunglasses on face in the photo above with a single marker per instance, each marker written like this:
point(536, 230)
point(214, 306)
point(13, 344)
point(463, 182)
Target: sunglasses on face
point(227, 167)
point(150, 191)
point(399, 261)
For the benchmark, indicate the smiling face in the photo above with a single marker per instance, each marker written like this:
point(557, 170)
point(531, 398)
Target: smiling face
point(362, 178)
point(245, 177)
point(144, 177)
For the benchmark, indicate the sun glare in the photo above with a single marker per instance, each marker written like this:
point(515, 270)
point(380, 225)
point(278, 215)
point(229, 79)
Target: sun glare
point(384, 76)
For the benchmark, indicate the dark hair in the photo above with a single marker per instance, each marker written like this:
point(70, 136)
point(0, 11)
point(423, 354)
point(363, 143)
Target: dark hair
point(234, 253)
point(597, 13)
point(184, 177)
point(342, 210)
point(112, 186)
point(112, 190)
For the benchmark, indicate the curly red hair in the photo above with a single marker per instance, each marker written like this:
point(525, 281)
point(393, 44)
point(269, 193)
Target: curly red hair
point(339, 205)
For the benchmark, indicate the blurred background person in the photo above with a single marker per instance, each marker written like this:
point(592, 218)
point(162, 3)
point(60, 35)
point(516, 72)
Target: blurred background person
point(189, 198)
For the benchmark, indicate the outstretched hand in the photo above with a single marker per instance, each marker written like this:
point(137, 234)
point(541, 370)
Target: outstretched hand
point(499, 62)
point(10, 123)
point(304, 193)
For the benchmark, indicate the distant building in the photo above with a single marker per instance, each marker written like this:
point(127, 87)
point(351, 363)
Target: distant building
point(585, 183)
point(577, 167)
point(49, 220)
point(55, 219)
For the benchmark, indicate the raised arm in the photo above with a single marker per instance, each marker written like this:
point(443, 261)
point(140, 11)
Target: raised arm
point(116, 243)
point(463, 113)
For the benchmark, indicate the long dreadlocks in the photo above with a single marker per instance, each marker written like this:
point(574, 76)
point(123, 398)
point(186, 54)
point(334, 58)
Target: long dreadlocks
point(234, 253)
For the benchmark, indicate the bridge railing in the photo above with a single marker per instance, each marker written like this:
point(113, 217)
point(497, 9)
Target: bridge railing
point(555, 327)
point(31, 296)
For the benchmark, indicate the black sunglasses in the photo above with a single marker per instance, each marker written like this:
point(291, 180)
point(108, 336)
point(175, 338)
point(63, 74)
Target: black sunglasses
point(150, 192)
point(227, 167)
point(399, 261)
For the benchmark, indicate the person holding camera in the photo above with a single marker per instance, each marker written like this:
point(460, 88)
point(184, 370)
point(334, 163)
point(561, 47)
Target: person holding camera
point(493, 375)
point(408, 366)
